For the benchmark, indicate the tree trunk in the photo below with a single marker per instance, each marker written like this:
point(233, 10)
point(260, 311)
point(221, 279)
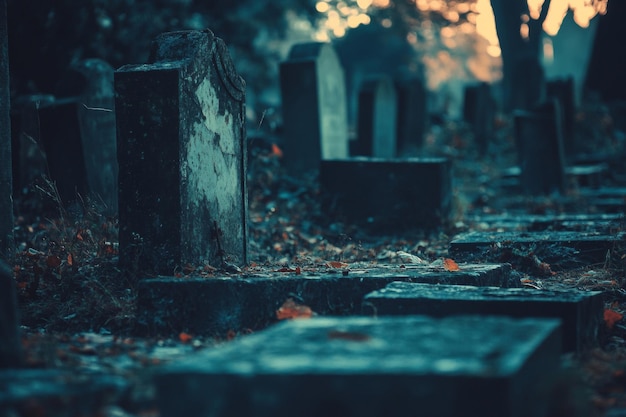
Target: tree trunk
point(6, 187)
point(523, 76)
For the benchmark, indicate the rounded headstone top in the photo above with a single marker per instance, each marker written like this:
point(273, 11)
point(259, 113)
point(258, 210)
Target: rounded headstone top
point(310, 50)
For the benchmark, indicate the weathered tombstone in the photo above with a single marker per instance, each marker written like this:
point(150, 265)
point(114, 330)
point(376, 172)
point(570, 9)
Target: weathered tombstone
point(314, 107)
point(90, 82)
point(412, 112)
point(540, 145)
point(181, 150)
point(10, 344)
point(388, 195)
point(478, 112)
point(376, 125)
point(6, 186)
point(563, 91)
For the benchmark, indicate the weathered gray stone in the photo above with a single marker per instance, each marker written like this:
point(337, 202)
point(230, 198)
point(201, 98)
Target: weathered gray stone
point(181, 150)
point(561, 250)
point(6, 175)
point(388, 195)
point(10, 343)
point(216, 305)
point(314, 107)
point(368, 367)
point(580, 312)
point(377, 117)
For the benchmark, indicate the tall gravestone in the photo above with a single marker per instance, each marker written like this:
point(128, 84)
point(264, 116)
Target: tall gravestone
point(6, 187)
point(314, 107)
point(90, 83)
point(540, 145)
point(376, 126)
point(181, 151)
point(412, 112)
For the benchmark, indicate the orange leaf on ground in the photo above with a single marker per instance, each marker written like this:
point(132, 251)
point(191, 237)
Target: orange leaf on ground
point(337, 264)
point(611, 317)
point(450, 265)
point(291, 310)
point(276, 151)
point(185, 337)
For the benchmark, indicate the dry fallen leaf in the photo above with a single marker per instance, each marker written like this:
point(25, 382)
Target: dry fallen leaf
point(337, 264)
point(450, 265)
point(185, 337)
point(291, 310)
point(611, 317)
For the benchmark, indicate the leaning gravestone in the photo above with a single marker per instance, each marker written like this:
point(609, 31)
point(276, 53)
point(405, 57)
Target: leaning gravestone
point(314, 107)
point(181, 149)
point(376, 126)
point(6, 202)
point(539, 139)
point(10, 345)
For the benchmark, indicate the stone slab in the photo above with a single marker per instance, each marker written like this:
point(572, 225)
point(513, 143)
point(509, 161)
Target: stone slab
point(563, 249)
point(214, 306)
point(371, 367)
point(580, 312)
point(561, 222)
point(386, 195)
point(57, 393)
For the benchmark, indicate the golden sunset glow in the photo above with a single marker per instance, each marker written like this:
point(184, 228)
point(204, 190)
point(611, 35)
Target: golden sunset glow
point(583, 10)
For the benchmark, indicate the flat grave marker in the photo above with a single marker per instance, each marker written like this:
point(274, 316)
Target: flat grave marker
point(388, 195)
point(219, 304)
point(562, 250)
point(371, 367)
point(580, 312)
point(314, 107)
point(377, 118)
point(181, 148)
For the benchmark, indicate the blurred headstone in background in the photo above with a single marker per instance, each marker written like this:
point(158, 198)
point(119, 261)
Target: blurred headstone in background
point(540, 145)
point(412, 112)
point(377, 116)
point(90, 82)
point(314, 107)
point(563, 91)
point(479, 112)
